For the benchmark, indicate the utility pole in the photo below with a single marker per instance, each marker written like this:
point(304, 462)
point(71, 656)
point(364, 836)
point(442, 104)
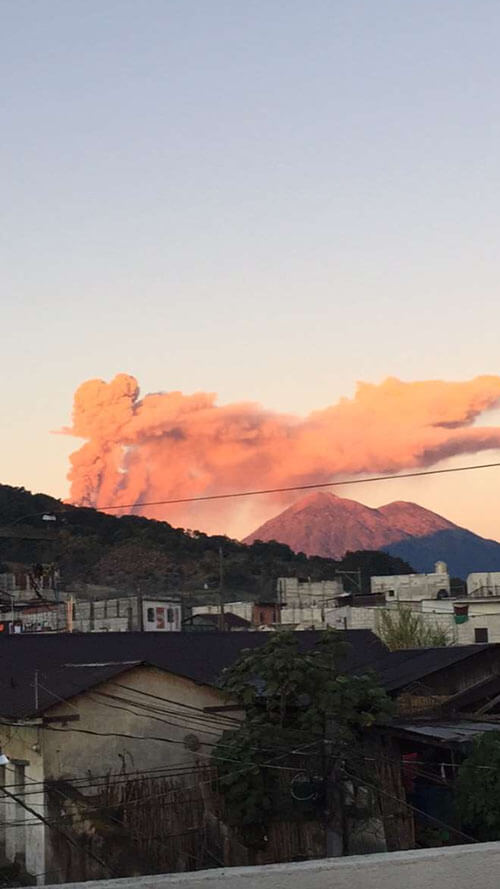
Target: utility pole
point(221, 589)
point(335, 822)
point(140, 610)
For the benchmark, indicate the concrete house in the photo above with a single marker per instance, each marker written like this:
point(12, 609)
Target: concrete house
point(76, 710)
point(73, 711)
point(413, 587)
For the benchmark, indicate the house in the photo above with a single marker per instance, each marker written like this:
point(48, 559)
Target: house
point(483, 584)
point(445, 699)
point(256, 614)
point(94, 724)
point(303, 592)
point(208, 622)
point(115, 613)
point(464, 620)
point(413, 587)
point(22, 582)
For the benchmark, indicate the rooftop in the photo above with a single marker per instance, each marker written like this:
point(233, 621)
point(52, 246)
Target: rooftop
point(64, 664)
point(400, 668)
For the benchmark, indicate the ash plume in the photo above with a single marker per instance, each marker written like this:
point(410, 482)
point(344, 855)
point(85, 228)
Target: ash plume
point(169, 445)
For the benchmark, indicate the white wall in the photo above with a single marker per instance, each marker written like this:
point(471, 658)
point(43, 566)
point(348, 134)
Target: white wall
point(293, 592)
point(434, 613)
point(306, 616)
point(488, 580)
point(21, 833)
point(411, 587)
point(455, 867)
point(156, 614)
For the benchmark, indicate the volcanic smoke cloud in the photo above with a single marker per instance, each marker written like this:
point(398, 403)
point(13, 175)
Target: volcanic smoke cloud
point(170, 445)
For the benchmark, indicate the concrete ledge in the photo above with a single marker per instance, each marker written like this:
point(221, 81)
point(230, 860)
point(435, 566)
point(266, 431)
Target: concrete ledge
point(453, 867)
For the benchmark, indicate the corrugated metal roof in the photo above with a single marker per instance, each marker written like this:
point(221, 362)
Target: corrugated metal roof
point(451, 732)
point(66, 664)
point(400, 668)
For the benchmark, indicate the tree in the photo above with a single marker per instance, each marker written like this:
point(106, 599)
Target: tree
point(292, 700)
point(478, 788)
point(402, 628)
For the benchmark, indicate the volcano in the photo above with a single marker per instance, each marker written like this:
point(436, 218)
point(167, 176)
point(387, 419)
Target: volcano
point(323, 524)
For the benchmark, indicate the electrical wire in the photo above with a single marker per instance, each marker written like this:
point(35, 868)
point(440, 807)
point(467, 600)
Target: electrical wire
point(261, 491)
point(94, 696)
point(350, 481)
point(408, 805)
point(119, 777)
point(177, 703)
point(195, 719)
point(70, 839)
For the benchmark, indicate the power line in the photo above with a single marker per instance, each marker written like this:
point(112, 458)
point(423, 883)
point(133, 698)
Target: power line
point(284, 490)
point(67, 837)
point(211, 716)
point(85, 782)
point(408, 805)
point(260, 491)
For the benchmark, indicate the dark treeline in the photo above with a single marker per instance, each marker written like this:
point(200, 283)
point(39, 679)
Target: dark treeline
point(135, 553)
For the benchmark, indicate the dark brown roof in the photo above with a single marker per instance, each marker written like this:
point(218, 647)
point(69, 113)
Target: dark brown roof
point(231, 621)
point(61, 665)
point(400, 668)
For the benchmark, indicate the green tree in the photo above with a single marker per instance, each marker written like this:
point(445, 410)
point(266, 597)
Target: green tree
point(292, 700)
point(402, 628)
point(478, 789)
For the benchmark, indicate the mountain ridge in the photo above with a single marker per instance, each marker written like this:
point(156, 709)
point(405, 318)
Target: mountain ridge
point(329, 526)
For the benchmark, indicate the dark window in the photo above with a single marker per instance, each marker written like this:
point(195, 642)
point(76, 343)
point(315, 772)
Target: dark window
point(390, 592)
point(151, 615)
point(170, 615)
point(480, 634)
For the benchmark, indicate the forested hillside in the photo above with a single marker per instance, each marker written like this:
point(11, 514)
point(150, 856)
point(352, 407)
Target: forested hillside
point(135, 553)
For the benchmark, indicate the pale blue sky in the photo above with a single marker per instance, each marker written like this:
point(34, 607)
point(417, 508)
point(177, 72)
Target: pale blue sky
point(265, 199)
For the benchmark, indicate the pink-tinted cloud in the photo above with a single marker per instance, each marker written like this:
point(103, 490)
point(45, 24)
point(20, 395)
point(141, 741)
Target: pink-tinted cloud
point(169, 445)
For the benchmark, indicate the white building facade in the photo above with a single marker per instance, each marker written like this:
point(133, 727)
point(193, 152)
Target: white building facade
point(413, 587)
point(483, 584)
point(293, 592)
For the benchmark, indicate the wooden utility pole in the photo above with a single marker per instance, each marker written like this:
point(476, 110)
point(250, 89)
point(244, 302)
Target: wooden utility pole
point(221, 589)
point(335, 822)
point(69, 614)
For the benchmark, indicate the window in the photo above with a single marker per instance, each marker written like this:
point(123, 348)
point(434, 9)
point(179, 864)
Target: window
point(481, 634)
point(170, 615)
point(390, 593)
point(151, 616)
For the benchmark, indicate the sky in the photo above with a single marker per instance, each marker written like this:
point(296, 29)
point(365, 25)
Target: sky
point(266, 200)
